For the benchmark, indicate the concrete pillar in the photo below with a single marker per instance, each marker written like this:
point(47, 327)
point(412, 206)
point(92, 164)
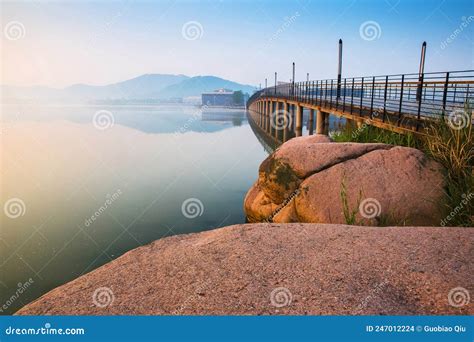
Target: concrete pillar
point(311, 122)
point(291, 113)
point(269, 115)
point(321, 119)
point(272, 119)
point(264, 112)
point(299, 121)
point(267, 118)
point(286, 131)
point(326, 124)
point(277, 119)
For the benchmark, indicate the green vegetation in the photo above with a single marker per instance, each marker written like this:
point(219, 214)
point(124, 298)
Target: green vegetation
point(349, 214)
point(371, 134)
point(449, 144)
point(238, 98)
point(454, 149)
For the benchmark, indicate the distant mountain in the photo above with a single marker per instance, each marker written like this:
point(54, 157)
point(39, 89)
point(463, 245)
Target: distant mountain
point(197, 85)
point(145, 87)
point(141, 86)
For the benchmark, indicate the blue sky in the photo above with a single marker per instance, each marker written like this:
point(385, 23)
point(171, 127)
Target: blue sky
point(101, 42)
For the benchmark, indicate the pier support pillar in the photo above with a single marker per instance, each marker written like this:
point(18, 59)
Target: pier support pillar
point(265, 118)
point(277, 120)
point(264, 113)
point(311, 122)
point(299, 121)
point(321, 122)
point(286, 130)
point(258, 110)
point(272, 118)
point(269, 116)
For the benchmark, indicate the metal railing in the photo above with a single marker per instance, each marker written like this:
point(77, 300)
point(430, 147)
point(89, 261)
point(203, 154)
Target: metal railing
point(406, 100)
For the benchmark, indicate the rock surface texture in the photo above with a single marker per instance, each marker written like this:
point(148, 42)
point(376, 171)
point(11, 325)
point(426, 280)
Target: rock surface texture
point(309, 179)
point(316, 269)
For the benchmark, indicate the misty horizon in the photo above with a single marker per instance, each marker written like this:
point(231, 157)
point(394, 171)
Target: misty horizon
point(58, 45)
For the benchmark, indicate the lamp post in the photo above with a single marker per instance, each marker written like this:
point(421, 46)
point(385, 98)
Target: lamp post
point(339, 70)
point(293, 81)
point(421, 72)
point(275, 82)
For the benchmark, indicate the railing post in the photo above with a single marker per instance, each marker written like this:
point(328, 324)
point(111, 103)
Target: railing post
point(372, 98)
point(330, 102)
point(320, 91)
point(326, 94)
point(344, 97)
point(352, 95)
point(385, 100)
point(361, 96)
point(420, 89)
point(401, 101)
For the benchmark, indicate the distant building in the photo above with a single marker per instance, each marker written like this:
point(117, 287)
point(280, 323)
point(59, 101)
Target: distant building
point(220, 97)
point(224, 98)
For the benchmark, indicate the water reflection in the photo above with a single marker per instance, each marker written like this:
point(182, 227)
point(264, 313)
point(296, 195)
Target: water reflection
point(140, 170)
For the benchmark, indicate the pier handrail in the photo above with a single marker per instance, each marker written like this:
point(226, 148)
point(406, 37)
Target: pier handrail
point(402, 99)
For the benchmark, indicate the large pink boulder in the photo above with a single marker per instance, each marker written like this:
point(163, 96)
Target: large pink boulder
point(309, 180)
point(280, 269)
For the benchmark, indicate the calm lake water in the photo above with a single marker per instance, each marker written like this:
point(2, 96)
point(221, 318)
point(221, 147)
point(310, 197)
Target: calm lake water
point(81, 185)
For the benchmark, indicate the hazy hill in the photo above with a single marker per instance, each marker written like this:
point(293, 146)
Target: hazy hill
point(197, 85)
point(148, 86)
